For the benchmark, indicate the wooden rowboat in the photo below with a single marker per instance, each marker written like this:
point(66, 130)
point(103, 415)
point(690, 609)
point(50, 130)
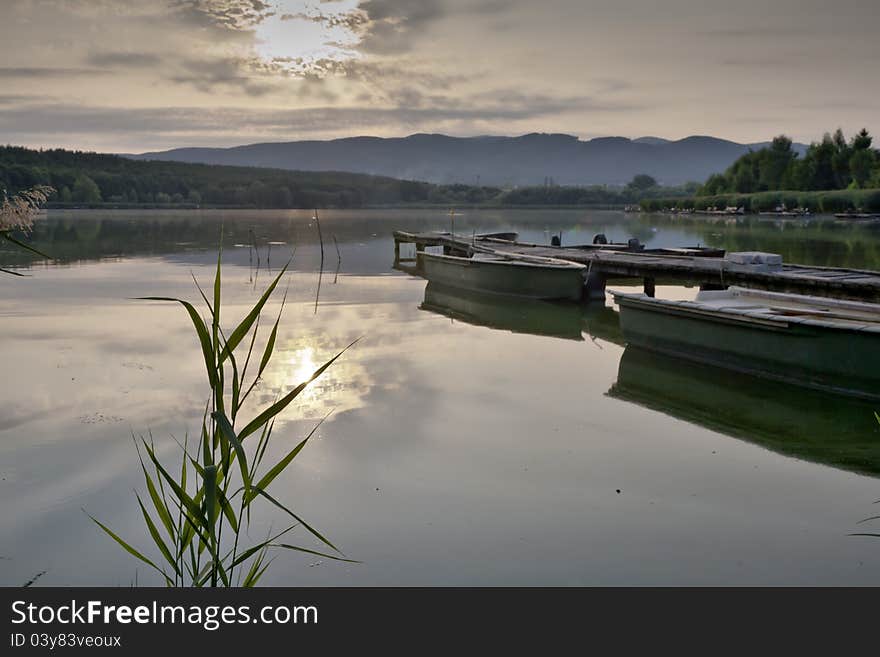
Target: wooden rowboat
point(817, 342)
point(522, 276)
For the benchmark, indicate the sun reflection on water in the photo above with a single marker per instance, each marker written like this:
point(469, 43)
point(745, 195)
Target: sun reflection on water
point(341, 387)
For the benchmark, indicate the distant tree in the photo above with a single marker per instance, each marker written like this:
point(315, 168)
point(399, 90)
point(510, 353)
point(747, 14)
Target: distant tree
point(716, 184)
point(774, 162)
point(862, 140)
point(162, 197)
point(744, 181)
point(64, 195)
point(193, 196)
point(861, 165)
point(642, 182)
point(85, 190)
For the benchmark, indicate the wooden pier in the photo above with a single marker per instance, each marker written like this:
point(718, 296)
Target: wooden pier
point(604, 263)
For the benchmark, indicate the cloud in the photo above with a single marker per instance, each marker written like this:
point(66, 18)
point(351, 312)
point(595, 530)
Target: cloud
point(392, 25)
point(250, 75)
point(229, 14)
point(227, 123)
point(33, 72)
point(123, 59)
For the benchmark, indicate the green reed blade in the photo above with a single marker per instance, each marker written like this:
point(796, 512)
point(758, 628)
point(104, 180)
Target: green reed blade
point(267, 479)
point(185, 499)
point(228, 511)
point(242, 329)
point(216, 323)
point(210, 478)
point(311, 529)
point(255, 566)
point(282, 403)
point(320, 554)
point(270, 345)
point(252, 581)
point(159, 504)
point(251, 550)
point(157, 538)
point(125, 546)
point(228, 432)
point(201, 330)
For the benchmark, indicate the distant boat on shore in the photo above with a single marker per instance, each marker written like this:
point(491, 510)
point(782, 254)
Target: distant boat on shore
point(782, 211)
point(857, 215)
point(730, 210)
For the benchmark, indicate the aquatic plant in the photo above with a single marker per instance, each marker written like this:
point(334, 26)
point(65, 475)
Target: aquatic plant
point(18, 212)
point(199, 516)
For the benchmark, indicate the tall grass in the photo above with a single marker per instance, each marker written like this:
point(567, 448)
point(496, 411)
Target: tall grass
point(197, 517)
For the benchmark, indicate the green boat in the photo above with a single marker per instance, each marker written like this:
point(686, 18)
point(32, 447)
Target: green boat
point(830, 429)
point(822, 343)
point(521, 276)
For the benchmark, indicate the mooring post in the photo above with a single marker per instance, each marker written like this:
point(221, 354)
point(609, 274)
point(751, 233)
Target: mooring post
point(594, 288)
point(396, 252)
point(649, 287)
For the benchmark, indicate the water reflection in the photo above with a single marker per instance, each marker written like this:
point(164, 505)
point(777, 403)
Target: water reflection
point(342, 387)
point(74, 236)
point(819, 427)
point(559, 320)
point(459, 454)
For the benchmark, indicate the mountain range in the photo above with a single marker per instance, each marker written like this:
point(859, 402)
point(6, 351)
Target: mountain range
point(532, 159)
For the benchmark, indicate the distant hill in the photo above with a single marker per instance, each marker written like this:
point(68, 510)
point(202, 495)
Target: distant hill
point(531, 159)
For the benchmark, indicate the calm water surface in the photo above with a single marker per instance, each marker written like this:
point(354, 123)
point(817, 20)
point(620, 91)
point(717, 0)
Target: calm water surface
point(471, 442)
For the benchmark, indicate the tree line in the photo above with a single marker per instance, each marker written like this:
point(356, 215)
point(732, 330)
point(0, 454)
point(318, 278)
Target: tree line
point(82, 178)
point(830, 164)
point(92, 179)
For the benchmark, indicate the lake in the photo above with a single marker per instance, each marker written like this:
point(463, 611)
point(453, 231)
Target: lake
point(472, 442)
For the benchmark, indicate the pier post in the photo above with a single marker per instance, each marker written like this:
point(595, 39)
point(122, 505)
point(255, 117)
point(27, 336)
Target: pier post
point(396, 252)
point(649, 287)
point(594, 288)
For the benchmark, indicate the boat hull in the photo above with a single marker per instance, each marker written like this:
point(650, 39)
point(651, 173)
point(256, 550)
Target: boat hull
point(845, 361)
point(521, 279)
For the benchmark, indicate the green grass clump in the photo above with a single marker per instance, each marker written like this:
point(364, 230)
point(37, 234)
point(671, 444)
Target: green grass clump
point(198, 516)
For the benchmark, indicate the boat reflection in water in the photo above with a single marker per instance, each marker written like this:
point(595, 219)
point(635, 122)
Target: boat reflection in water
point(813, 425)
point(559, 320)
point(817, 426)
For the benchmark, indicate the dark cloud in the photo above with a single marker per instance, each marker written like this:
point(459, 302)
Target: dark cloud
point(393, 25)
point(354, 20)
point(229, 14)
point(25, 72)
point(249, 75)
point(123, 59)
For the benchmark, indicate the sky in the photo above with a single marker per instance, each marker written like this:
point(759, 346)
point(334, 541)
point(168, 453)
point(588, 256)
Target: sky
point(144, 75)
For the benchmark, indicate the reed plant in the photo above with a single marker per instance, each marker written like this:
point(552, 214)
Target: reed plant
point(17, 214)
point(197, 514)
